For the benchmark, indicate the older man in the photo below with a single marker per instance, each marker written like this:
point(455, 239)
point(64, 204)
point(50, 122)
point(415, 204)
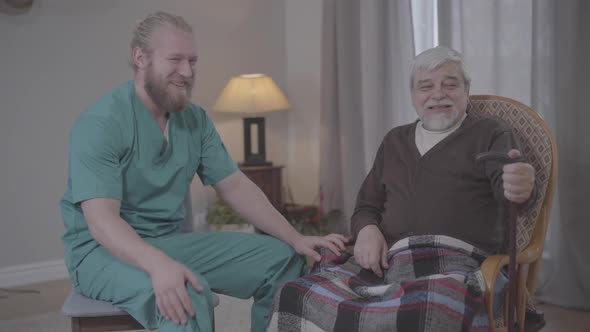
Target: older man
point(133, 156)
point(426, 214)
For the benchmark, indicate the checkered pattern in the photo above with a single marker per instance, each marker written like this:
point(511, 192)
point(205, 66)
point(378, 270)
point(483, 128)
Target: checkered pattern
point(536, 145)
point(433, 284)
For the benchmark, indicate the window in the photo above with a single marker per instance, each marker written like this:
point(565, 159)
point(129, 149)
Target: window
point(425, 24)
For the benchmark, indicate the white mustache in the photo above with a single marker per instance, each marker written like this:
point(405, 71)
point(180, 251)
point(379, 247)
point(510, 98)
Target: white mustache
point(444, 102)
point(185, 83)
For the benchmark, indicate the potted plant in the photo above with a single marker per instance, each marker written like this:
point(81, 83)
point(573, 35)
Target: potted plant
point(310, 219)
point(223, 218)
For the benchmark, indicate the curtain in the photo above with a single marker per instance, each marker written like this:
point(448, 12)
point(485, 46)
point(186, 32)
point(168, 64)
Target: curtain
point(495, 39)
point(367, 47)
point(537, 52)
point(561, 50)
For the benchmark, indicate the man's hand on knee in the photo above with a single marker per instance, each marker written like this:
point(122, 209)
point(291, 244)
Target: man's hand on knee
point(370, 250)
point(169, 281)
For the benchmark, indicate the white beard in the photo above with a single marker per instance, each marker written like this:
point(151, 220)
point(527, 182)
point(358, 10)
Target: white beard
point(440, 121)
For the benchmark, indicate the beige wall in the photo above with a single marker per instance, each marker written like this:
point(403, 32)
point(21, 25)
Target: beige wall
point(62, 55)
point(303, 45)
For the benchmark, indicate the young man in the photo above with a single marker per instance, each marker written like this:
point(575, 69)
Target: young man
point(133, 155)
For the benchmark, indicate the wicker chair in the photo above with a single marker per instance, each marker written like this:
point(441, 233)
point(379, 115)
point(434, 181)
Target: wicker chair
point(539, 147)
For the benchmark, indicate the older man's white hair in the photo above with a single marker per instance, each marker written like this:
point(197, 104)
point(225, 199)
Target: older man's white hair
point(436, 57)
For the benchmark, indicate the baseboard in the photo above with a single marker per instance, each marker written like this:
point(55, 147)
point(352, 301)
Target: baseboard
point(19, 275)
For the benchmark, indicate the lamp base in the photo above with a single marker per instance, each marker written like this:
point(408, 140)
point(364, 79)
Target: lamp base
point(254, 155)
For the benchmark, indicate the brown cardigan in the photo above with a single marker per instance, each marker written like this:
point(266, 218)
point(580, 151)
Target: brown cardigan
point(442, 192)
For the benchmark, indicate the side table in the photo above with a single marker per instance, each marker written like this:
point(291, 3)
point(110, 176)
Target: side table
point(269, 180)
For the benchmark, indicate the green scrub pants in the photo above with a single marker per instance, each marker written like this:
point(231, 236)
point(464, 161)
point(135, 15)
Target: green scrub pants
point(236, 264)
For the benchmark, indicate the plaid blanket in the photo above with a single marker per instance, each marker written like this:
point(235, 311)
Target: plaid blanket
point(433, 284)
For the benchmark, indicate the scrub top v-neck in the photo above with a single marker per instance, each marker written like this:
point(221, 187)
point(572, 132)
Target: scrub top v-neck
point(118, 151)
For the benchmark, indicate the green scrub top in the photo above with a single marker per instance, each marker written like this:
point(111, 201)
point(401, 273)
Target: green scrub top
point(118, 151)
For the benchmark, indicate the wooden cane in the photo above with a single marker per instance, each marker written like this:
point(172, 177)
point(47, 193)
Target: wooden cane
point(511, 209)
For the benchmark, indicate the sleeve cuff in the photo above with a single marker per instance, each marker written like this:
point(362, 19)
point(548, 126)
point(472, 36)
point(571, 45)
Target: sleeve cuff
point(97, 191)
point(529, 203)
point(360, 219)
point(210, 180)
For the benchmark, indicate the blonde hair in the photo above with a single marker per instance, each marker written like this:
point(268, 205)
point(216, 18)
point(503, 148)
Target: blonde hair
point(142, 34)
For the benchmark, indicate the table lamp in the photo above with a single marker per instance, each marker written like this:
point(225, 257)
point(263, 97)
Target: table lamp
point(252, 94)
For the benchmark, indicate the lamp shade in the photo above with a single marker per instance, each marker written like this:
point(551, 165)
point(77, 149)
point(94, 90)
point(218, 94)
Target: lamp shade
point(251, 93)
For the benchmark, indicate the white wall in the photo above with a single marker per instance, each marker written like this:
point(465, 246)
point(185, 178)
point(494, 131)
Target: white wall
point(62, 55)
point(303, 43)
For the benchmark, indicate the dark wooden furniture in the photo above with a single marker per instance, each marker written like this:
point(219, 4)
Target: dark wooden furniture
point(269, 179)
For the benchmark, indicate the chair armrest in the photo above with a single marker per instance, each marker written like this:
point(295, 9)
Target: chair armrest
point(493, 265)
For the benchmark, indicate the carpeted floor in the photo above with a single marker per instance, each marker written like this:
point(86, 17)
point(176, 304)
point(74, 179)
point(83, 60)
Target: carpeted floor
point(39, 311)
